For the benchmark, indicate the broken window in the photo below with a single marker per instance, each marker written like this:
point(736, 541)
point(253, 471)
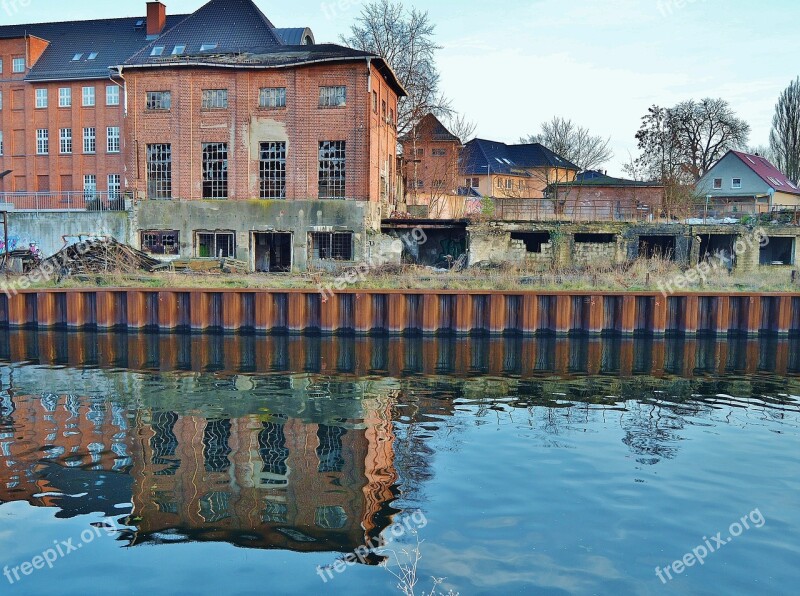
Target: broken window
point(534, 241)
point(216, 245)
point(335, 246)
point(214, 99)
point(161, 242)
point(215, 170)
point(272, 169)
point(159, 100)
point(332, 169)
point(594, 238)
point(272, 97)
point(332, 97)
point(779, 251)
point(159, 171)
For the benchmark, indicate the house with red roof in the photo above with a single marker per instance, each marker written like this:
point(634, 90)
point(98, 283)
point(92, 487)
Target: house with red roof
point(747, 183)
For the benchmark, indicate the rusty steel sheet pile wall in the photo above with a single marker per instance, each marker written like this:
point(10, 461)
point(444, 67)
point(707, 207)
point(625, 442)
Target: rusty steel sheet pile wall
point(401, 312)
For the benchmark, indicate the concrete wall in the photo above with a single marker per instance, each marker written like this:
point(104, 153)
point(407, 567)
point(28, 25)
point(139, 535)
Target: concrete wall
point(47, 230)
point(244, 217)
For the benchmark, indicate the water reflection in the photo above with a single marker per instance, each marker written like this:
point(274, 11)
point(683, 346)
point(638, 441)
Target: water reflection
point(515, 356)
point(307, 443)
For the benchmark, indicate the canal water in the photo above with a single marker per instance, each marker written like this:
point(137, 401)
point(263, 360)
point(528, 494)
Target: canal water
point(146, 464)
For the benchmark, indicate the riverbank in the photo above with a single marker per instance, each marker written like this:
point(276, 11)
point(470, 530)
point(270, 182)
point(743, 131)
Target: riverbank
point(644, 275)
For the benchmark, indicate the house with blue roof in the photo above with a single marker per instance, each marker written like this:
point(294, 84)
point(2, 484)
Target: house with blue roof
point(495, 169)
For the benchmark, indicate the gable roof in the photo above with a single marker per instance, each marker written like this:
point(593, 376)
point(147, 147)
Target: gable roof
point(224, 26)
point(430, 124)
point(114, 40)
point(509, 159)
point(774, 178)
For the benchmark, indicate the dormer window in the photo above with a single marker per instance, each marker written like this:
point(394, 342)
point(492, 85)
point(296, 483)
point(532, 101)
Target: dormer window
point(77, 57)
point(157, 51)
point(207, 47)
point(92, 56)
point(178, 50)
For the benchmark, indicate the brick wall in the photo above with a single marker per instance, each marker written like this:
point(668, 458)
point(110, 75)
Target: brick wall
point(20, 119)
point(302, 124)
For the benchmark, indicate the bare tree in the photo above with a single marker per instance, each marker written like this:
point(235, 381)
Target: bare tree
point(784, 140)
point(405, 39)
point(461, 126)
point(764, 151)
point(574, 143)
point(705, 131)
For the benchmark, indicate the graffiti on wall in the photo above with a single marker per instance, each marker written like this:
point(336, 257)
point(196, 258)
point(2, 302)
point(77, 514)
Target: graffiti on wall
point(18, 243)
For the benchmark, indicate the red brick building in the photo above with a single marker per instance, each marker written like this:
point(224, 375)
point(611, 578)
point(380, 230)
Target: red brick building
point(220, 108)
point(228, 82)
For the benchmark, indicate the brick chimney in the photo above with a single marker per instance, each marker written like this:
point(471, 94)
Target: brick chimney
point(156, 18)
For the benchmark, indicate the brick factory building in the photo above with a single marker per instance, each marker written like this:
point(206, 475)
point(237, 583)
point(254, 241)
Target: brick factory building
point(216, 109)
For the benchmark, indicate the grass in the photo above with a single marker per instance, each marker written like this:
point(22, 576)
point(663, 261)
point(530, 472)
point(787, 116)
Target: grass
point(638, 275)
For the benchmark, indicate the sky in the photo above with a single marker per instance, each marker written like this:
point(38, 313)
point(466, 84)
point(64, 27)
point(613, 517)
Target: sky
point(511, 65)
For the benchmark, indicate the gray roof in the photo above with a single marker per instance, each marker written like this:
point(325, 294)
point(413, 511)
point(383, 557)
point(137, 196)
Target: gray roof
point(225, 26)
point(114, 40)
point(295, 36)
point(509, 159)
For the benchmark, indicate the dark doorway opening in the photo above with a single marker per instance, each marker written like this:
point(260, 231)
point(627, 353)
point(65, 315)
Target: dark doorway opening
point(533, 240)
point(718, 246)
point(273, 252)
point(779, 251)
point(657, 247)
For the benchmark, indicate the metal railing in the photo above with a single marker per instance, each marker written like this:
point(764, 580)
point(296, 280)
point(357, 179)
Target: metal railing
point(569, 210)
point(64, 201)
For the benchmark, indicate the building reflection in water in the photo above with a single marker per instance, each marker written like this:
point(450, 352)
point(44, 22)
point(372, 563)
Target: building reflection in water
point(291, 443)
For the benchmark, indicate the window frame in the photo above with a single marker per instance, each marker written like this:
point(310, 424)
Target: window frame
point(41, 98)
point(110, 138)
point(158, 237)
point(280, 98)
point(272, 169)
point(213, 100)
point(158, 101)
point(159, 171)
point(112, 95)
point(736, 185)
point(717, 183)
point(89, 97)
point(15, 61)
point(89, 140)
point(226, 238)
point(215, 163)
point(64, 141)
point(42, 141)
point(331, 246)
point(65, 96)
point(332, 170)
point(333, 96)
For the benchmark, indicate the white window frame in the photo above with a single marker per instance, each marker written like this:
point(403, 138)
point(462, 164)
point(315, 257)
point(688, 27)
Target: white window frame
point(272, 98)
point(90, 140)
point(42, 141)
point(89, 97)
point(65, 97)
point(41, 98)
point(112, 95)
point(90, 185)
point(113, 141)
point(1, 100)
point(735, 185)
point(65, 141)
point(15, 64)
point(214, 99)
point(114, 186)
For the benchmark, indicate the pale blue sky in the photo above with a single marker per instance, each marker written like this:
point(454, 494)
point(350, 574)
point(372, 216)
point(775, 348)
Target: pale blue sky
point(512, 64)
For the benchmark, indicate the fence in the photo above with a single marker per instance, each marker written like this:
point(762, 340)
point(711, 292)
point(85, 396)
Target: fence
point(549, 209)
point(64, 201)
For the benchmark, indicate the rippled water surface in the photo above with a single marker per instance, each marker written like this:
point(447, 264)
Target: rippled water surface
point(245, 465)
